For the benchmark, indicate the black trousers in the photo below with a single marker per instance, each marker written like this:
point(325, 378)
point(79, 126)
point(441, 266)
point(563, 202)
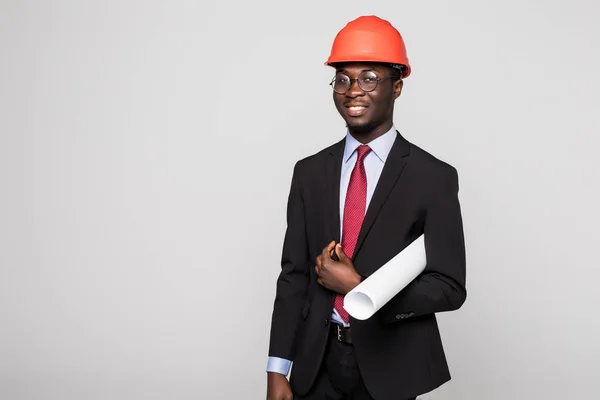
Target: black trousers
point(339, 377)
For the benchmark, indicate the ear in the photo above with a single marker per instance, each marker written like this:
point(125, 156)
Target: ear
point(398, 88)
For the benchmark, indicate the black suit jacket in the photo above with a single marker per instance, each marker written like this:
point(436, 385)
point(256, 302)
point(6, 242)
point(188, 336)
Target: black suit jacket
point(399, 349)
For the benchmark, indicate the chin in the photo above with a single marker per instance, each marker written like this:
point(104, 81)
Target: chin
point(358, 126)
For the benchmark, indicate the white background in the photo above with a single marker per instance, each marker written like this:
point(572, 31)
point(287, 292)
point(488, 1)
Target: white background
point(146, 151)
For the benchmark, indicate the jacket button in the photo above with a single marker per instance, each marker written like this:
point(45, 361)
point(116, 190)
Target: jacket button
point(326, 321)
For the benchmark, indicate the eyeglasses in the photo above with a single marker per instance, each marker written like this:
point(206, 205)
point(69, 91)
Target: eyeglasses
point(367, 81)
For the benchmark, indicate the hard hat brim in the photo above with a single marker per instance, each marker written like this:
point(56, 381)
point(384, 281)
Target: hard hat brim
point(367, 58)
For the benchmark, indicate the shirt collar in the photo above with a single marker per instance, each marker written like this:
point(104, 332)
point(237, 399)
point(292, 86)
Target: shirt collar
point(380, 146)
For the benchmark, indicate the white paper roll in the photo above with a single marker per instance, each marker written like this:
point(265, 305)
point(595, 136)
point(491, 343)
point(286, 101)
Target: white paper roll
point(371, 294)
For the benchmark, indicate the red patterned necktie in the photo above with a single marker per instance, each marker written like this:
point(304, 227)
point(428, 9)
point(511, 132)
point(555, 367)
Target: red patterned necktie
point(354, 213)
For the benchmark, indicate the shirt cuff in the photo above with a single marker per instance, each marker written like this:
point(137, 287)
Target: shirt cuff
point(279, 365)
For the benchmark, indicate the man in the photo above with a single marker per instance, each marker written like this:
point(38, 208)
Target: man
point(377, 193)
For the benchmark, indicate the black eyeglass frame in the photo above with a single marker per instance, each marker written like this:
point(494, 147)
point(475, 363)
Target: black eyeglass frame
point(377, 79)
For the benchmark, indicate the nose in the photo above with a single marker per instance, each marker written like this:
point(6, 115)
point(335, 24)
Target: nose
point(355, 89)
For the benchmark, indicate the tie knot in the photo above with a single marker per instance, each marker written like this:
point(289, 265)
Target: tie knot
point(362, 150)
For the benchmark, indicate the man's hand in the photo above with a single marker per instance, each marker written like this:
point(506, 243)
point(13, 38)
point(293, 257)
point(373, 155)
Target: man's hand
point(339, 276)
point(278, 387)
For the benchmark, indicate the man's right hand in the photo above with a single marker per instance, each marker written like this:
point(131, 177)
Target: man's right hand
point(278, 387)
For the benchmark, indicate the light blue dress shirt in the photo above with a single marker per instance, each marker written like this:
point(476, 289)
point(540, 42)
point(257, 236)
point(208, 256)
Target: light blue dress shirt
point(374, 162)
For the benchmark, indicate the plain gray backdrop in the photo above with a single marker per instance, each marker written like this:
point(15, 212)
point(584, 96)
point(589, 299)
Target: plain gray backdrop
point(146, 151)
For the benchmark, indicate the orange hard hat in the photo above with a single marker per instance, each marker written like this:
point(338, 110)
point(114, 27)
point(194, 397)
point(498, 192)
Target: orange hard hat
point(369, 38)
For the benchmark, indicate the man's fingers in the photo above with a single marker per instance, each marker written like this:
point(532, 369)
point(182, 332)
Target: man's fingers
point(340, 253)
point(319, 265)
point(327, 251)
point(331, 247)
point(322, 282)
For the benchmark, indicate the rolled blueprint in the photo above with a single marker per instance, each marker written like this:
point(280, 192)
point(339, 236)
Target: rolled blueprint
point(371, 294)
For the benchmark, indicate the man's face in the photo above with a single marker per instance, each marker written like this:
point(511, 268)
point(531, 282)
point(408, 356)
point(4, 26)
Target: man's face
point(367, 112)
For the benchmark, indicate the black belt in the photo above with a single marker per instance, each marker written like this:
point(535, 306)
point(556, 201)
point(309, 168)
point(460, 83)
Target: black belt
point(341, 333)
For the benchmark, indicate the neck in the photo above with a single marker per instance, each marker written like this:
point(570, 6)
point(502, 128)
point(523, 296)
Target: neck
point(368, 134)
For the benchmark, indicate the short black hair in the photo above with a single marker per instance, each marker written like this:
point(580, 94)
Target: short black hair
point(397, 71)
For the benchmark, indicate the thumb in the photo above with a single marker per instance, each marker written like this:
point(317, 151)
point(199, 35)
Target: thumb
point(340, 253)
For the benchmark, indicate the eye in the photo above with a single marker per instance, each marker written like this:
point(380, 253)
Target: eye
point(368, 77)
point(342, 79)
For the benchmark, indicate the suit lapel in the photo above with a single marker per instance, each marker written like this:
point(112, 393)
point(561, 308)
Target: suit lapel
point(389, 176)
point(332, 176)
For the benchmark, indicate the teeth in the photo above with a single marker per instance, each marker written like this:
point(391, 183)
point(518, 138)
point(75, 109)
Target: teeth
point(357, 107)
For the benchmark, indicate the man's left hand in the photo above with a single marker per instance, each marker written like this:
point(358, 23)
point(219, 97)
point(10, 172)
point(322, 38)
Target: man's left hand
point(339, 276)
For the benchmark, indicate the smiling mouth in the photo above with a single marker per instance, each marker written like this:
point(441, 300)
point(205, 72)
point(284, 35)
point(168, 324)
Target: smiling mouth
point(355, 111)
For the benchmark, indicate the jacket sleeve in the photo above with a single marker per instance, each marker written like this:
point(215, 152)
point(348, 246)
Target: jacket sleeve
point(442, 285)
point(293, 280)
